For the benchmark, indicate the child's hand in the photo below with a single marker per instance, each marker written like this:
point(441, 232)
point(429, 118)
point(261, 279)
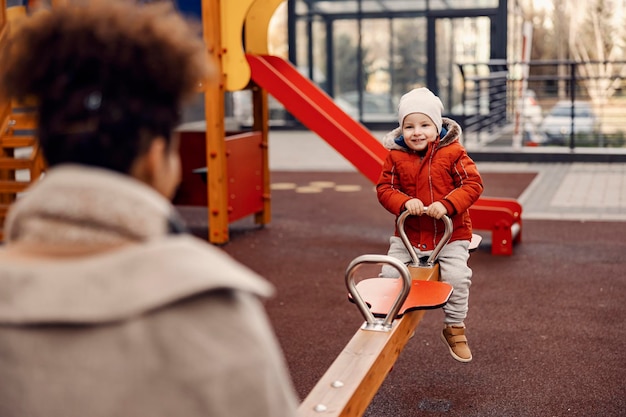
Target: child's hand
point(414, 206)
point(436, 210)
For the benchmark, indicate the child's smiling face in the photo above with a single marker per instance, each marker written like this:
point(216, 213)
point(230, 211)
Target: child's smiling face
point(418, 131)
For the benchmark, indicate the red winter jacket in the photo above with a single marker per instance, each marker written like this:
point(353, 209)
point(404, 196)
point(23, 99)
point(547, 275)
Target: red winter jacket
point(445, 174)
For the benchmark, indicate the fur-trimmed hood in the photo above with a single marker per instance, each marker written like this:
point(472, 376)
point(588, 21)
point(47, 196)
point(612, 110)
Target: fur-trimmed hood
point(88, 245)
point(453, 134)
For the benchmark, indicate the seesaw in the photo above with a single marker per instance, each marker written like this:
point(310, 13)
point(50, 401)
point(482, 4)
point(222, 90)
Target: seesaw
point(392, 309)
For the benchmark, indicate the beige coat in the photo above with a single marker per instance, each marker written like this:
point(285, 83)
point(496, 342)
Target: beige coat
point(105, 313)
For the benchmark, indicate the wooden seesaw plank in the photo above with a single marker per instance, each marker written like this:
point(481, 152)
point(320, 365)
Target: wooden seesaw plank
point(349, 385)
point(352, 380)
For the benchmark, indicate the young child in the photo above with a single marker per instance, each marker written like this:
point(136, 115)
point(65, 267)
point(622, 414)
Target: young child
point(428, 167)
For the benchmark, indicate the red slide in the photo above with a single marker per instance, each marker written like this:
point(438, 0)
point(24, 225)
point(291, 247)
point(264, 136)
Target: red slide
point(318, 112)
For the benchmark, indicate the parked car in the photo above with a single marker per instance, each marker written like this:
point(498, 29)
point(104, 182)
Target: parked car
point(557, 125)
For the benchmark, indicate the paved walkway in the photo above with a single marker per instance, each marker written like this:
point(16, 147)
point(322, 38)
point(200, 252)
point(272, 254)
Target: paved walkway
point(565, 191)
point(576, 191)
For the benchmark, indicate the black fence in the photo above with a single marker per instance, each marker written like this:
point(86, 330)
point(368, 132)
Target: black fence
point(545, 103)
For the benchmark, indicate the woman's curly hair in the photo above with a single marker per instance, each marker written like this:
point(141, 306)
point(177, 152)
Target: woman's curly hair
point(108, 77)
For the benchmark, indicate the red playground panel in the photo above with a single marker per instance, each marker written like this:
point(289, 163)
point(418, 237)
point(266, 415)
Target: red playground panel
point(244, 171)
point(503, 218)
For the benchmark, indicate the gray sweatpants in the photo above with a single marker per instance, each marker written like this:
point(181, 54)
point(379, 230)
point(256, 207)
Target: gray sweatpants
point(453, 268)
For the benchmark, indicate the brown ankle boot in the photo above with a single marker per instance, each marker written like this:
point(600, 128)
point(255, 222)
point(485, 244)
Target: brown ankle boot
point(454, 338)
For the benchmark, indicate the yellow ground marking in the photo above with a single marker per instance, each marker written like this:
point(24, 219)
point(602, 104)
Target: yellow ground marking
point(322, 184)
point(348, 188)
point(308, 190)
point(316, 187)
point(283, 186)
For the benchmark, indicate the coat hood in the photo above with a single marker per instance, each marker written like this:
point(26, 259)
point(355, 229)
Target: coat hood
point(81, 206)
point(452, 128)
point(88, 245)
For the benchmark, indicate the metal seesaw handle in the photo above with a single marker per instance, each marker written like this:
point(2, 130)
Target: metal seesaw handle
point(433, 256)
point(374, 323)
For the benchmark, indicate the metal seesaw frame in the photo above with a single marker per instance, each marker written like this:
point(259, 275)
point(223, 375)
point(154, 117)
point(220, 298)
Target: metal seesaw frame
point(352, 380)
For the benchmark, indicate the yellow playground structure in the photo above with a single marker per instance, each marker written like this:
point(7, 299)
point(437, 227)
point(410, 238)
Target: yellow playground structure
point(228, 194)
point(15, 118)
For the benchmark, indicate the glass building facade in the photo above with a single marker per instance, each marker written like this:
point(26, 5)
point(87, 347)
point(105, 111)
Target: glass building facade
point(367, 53)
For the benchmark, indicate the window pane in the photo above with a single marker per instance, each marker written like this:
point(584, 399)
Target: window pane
point(409, 57)
point(459, 41)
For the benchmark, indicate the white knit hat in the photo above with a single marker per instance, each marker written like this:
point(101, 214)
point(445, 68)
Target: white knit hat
point(421, 100)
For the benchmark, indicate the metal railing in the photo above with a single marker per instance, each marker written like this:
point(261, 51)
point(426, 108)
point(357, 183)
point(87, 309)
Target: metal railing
point(560, 103)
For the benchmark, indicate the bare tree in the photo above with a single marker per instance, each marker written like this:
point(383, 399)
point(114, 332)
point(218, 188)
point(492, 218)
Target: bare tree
point(596, 39)
point(549, 42)
point(409, 59)
point(347, 65)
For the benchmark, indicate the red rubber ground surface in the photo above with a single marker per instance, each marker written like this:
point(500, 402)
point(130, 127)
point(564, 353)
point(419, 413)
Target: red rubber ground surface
point(546, 325)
